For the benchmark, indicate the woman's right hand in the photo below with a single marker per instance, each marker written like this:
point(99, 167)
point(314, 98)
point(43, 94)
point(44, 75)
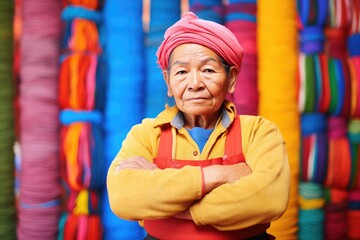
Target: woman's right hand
point(216, 175)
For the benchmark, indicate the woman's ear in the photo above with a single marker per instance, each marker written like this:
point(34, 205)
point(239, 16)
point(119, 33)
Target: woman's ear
point(166, 76)
point(233, 76)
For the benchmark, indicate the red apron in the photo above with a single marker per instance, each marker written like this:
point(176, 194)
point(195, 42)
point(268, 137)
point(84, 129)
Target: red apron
point(174, 228)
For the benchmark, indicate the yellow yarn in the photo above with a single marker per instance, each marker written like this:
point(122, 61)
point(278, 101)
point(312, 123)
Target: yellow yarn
point(81, 204)
point(308, 204)
point(277, 74)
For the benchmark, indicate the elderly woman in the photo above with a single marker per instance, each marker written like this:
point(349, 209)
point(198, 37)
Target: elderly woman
point(198, 170)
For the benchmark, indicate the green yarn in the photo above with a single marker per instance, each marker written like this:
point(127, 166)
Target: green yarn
point(7, 119)
point(310, 83)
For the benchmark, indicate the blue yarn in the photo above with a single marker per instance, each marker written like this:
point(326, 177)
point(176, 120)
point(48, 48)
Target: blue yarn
point(322, 12)
point(98, 165)
point(66, 35)
point(304, 7)
point(340, 81)
point(156, 91)
point(354, 205)
point(154, 39)
point(321, 159)
point(318, 77)
point(242, 1)
point(208, 9)
point(311, 224)
point(240, 16)
point(117, 228)
point(206, 3)
point(354, 45)
point(62, 222)
point(101, 85)
point(312, 39)
point(123, 37)
point(354, 137)
point(163, 14)
point(209, 14)
point(71, 12)
point(310, 190)
point(313, 123)
point(69, 116)
point(48, 204)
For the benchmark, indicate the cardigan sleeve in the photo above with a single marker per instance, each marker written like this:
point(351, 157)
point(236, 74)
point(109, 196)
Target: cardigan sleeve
point(148, 194)
point(260, 197)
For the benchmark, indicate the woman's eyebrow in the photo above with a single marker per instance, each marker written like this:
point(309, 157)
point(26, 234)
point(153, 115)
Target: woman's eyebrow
point(179, 62)
point(208, 59)
point(202, 60)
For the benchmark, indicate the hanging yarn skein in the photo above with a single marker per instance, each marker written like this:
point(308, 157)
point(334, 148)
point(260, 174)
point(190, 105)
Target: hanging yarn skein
point(339, 17)
point(124, 98)
point(240, 18)
point(339, 155)
point(314, 148)
point(314, 91)
point(354, 140)
point(311, 212)
point(354, 58)
point(81, 152)
point(354, 214)
point(162, 15)
point(336, 224)
point(278, 91)
point(7, 119)
point(40, 190)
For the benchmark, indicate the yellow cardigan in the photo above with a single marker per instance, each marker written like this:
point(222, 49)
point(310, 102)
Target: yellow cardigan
point(260, 197)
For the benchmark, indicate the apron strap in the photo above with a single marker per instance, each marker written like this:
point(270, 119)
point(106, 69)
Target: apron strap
point(231, 149)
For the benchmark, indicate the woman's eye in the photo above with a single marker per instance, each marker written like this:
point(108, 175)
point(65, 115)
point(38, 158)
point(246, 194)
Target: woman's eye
point(208, 70)
point(181, 72)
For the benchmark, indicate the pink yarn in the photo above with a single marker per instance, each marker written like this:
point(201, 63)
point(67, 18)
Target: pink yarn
point(40, 189)
point(245, 96)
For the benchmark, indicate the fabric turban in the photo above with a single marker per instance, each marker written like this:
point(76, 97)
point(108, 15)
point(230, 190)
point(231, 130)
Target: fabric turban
point(191, 29)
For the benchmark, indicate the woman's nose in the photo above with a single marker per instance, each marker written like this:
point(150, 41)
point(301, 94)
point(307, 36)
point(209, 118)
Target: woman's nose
point(195, 81)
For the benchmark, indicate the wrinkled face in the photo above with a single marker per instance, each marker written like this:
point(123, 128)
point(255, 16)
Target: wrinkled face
point(197, 79)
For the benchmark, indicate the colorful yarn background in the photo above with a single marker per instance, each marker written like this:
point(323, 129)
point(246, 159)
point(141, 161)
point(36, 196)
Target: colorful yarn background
point(277, 71)
point(267, 85)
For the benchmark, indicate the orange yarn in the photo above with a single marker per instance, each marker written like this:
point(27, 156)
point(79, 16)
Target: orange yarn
point(92, 4)
point(72, 83)
point(85, 37)
point(71, 147)
point(339, 164)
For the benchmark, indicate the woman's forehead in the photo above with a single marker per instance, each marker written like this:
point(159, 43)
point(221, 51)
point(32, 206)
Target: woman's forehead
point(191, 51)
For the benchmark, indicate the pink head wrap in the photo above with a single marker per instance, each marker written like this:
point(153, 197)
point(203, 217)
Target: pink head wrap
point(191, 29)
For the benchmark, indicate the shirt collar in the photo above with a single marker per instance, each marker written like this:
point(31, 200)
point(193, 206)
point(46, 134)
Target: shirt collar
point(175, 117)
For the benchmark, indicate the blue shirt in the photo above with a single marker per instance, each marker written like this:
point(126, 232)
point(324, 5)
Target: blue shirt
point(200, 135)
